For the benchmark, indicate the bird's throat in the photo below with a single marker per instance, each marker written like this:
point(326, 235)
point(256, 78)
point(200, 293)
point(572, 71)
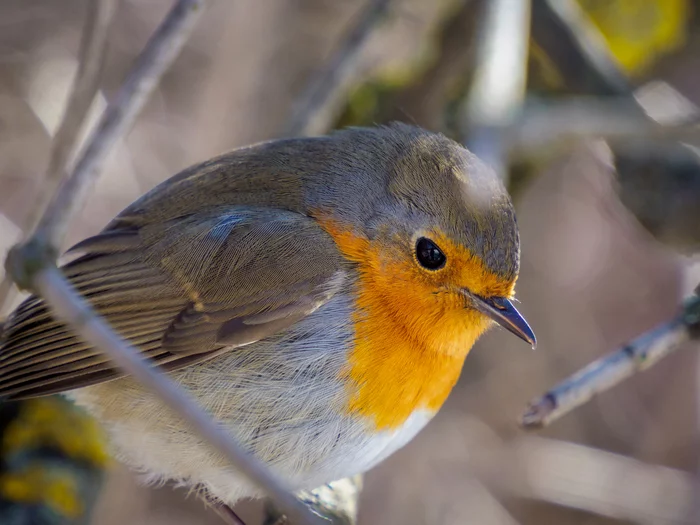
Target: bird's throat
point(407, 354)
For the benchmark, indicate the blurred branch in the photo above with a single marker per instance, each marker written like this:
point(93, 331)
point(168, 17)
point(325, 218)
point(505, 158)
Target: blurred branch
point(160, 51)
point(611, 370)
point(312, 113)
point(561, 123)
point(85, 85)
point(430, 87)
point(498, 88)
point(73, 309)
point(32, 264)
point(571, 40)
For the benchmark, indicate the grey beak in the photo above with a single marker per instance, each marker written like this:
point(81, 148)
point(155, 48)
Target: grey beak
point(505, 314)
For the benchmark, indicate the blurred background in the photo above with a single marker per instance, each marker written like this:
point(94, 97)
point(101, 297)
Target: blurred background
point(609, 230)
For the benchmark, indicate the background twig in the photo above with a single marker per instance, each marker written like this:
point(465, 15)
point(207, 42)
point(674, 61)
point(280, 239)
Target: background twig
point(72, 308)
point(85, 86)
point(498, 88)
point(563, 30)
point(311, 114)
point(568, 122)
point(611, 370)
point(161, 50)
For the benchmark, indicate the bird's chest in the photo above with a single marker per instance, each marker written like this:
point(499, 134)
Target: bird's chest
point(289, 401)
point(393, 372)
point(293, 400)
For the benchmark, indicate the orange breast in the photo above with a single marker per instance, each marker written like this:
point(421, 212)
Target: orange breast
point(409, 348)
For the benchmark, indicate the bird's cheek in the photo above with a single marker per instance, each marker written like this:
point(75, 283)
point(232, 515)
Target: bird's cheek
point(474, 319)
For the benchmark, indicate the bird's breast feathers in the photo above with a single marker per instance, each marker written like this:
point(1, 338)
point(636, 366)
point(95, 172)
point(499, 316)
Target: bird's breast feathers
point(287, 399)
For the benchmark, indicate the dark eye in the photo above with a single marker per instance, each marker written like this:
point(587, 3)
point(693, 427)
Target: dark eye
point(429, 255)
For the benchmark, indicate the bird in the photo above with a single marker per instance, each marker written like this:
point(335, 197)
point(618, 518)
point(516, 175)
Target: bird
point(317, 296)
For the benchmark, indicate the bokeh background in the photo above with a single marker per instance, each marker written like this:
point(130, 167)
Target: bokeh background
point(606, 253)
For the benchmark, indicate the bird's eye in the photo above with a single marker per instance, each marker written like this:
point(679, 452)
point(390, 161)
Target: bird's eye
point(429, 255)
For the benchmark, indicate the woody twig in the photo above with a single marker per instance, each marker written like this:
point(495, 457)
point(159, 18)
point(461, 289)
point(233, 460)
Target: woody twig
point(84, 89)
point(609, 371)
point(314, 109)
point(32, 264)
point(498, 87)
point(618, 120)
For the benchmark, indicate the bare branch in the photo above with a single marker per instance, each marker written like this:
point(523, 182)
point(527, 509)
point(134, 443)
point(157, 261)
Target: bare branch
point(617, 120)
point(611, 370)
point(68, 305)
point(498, 88)
point(312, 112)
point(85, 86)
point(577, 48)
point(162, 49)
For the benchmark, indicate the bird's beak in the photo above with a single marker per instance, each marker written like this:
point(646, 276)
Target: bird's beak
point(504, 313)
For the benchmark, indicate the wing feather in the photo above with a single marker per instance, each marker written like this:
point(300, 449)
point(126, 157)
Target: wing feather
point(181, 292)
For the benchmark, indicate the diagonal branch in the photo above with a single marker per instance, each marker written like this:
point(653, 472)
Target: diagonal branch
point(85, 85)
point(161, 50)
point(315, 102)
point(609, 371)
point(560, 124)
point(578, 49)
point(72, 308)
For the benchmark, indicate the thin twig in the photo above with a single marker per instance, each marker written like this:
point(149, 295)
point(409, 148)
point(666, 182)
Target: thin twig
point(498, 88)
point(558, 124)
point(311, 113)
point(68, 305)
point(589, 479)
point(578, 49)
point(614, 368)
point(161, 50)
point(85, 85)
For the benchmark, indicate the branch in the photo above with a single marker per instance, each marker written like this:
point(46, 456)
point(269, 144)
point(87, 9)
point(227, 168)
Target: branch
point(85, 86)
point(605, 373)
point(68, 305)
point(558, 124)
point(311, 113)
point(498, 87)
point(578, 49)
point(160, 51)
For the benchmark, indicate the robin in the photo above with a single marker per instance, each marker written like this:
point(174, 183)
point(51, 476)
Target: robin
point(318, 296)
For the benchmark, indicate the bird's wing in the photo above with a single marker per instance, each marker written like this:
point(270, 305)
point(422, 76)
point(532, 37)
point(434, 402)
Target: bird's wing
point(181, 291)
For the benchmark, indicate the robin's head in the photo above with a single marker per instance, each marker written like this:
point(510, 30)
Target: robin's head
point(434, 234)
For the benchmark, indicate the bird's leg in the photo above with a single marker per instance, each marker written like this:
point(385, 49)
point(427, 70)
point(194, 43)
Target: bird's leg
point(227, 514)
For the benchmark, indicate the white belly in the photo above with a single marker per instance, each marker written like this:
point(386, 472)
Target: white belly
point(280, 398)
